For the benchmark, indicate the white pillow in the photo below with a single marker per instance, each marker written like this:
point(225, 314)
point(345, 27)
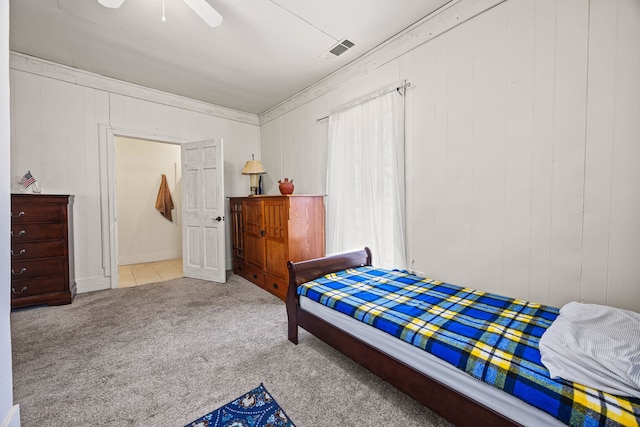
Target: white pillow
point(595, 345)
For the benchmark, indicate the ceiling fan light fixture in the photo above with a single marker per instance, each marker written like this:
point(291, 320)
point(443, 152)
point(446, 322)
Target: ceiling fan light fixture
point(113, 4)
point(201, 7)
point(205, 11)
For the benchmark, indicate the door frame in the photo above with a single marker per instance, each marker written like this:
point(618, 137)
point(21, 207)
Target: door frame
point(108, 208)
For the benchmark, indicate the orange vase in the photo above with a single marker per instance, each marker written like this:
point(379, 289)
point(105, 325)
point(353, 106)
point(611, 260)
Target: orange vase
point(286, 186)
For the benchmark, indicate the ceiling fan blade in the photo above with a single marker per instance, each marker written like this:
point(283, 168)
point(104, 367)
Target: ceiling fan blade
point(113, 4)
point(202, 8)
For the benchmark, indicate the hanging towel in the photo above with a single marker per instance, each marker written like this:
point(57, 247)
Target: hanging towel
point(164, 202)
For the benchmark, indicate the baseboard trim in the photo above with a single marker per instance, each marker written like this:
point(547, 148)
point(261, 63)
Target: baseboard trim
point(93, 284)
point(13, 417)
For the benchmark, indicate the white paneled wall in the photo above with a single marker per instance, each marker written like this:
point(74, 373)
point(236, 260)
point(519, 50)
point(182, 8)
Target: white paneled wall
point(610, 267)
point(507, 142)
point(51, 123)
point(523, 152)
point(56, 112)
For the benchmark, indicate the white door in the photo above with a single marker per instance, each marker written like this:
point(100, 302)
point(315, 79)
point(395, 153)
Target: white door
point(203, 230)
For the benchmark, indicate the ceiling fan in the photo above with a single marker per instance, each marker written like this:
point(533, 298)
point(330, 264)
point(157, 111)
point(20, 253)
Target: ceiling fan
point(201, 7)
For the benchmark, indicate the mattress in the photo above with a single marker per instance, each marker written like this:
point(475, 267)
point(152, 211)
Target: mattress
point(441, 371)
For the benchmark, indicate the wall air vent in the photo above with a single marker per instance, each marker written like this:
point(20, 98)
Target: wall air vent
point(338, 49)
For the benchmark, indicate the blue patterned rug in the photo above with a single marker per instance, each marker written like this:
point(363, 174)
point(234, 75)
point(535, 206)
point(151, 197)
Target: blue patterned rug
point(254, 409)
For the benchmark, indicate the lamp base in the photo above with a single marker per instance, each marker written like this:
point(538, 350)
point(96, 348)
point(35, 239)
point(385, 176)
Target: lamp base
point(254, 184)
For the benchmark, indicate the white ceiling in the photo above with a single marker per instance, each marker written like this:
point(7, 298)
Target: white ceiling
point(264, 52)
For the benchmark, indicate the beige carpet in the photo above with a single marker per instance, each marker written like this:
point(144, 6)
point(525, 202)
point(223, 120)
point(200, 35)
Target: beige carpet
point(165, 354)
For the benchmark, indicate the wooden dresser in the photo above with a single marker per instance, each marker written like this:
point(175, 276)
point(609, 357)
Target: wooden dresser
point(41, 250)
point(268, 231)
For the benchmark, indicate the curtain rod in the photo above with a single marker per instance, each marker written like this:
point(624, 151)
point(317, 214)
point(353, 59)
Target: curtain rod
point(373, 95)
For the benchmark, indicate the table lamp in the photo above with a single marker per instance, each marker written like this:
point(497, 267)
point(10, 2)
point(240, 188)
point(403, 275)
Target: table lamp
point(253, 168)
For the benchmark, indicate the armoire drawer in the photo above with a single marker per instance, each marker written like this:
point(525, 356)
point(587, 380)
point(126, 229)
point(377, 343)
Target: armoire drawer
point(37, 268)
point(28, 232)
point(238, 267)
point(24, 213)
point(37, 286)
point(30, 250)
point(252, 274)
point(276, 285)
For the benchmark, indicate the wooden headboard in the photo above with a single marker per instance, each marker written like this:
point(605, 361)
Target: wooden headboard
point(306, 271)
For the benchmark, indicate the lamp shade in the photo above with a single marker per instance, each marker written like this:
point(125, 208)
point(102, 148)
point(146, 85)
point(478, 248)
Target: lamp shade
point(253, 167)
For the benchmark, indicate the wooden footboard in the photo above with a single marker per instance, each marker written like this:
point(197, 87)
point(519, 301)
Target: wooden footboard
point(436, 396)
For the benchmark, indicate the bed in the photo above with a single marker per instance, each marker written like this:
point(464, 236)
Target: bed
point(450, 392)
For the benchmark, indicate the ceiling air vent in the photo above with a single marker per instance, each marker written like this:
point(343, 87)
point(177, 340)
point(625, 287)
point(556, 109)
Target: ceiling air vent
point(338, 49)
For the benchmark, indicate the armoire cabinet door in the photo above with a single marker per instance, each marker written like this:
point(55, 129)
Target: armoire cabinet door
point(253, 233)
point(237, 224)
point(275, 236)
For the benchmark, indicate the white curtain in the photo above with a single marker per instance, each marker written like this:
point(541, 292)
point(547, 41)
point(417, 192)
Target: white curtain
point(365, 180)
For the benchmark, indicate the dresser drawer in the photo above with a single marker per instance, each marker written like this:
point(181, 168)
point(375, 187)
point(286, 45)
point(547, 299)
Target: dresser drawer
point(22, 213)
point(27, 232)
point(37, 268)
point(36, 286)
point(29, 250)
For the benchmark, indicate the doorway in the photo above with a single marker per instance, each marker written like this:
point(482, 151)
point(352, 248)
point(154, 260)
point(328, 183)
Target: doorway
point(149, 244)
point(203, 203)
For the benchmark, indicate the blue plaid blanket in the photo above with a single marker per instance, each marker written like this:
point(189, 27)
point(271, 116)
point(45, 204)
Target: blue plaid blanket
point(490, 337)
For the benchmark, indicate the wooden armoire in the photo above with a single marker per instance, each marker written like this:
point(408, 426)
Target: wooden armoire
point(268, 231)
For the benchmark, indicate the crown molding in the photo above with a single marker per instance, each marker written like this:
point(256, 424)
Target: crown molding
point(437, 23)
point(44, 68)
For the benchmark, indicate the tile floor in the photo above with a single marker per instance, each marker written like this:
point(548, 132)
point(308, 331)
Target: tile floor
point(149, 272)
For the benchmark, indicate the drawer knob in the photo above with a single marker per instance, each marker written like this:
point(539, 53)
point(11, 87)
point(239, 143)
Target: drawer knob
point(275, 285)
point(13, 290)
point(20, 253)
point(21, 271)
point(21, 213)
point(255, 276)
point(21, 233)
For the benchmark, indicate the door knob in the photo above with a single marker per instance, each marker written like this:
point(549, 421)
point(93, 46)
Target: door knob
point(218, 219)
